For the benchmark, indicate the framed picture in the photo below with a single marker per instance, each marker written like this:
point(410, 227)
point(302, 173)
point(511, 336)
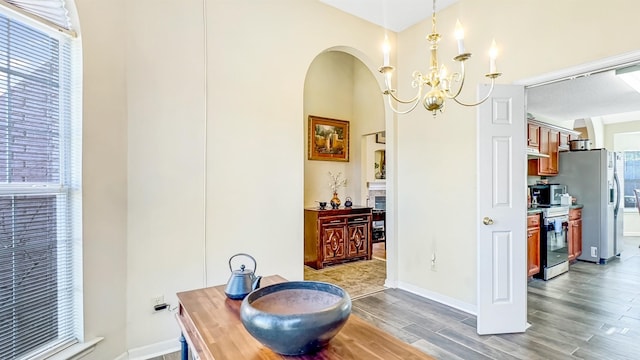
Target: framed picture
point(328, 139)
point(381, 137)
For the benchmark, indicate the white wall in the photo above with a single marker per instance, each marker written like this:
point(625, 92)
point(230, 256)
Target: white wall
point(621, 137)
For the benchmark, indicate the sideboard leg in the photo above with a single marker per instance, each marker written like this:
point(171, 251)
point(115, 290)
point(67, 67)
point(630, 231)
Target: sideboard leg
point(184, 348)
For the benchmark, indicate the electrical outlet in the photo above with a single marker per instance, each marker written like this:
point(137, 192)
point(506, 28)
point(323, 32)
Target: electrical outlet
point(157, 300)
point(594, 251)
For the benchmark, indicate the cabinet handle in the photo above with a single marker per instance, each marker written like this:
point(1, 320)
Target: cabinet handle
point(334, 221)
point(358, 219)
point(529, 235)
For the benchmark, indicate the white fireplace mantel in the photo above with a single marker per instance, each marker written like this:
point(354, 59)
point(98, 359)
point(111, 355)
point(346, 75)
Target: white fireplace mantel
point(377, 185)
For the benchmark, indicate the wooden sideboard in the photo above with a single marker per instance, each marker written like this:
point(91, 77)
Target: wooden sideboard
point(336, 235)
point(211, 326)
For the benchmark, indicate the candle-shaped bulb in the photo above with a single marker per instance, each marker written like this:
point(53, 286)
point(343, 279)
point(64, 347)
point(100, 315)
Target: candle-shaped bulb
point(443, 72)
point(459, 33)
point(385, 50)
point(493, 54)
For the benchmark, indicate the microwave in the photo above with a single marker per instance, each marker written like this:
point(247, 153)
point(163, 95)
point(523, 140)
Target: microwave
point(548, 194)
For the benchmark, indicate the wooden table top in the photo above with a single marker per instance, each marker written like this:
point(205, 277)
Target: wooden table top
point(211, 324)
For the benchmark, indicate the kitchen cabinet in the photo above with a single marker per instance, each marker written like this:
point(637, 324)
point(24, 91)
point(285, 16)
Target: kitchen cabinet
point(533, 244)
point(551, 140)
point(533, 135)
point(563, 143)
point(574, 235)
point(333, 236)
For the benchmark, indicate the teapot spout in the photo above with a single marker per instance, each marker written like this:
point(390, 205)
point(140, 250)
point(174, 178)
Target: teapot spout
point(256, 282)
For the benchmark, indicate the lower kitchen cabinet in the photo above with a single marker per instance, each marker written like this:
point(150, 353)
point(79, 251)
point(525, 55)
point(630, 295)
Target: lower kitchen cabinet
point(335, 236)
point(574, 239)
point(533, 244)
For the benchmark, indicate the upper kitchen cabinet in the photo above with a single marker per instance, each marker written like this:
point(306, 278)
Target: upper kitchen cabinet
point(550, 140)
point(563, 144)
point(533, 135)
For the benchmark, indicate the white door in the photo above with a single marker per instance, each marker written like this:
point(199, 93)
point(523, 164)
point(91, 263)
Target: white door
point(502, 241)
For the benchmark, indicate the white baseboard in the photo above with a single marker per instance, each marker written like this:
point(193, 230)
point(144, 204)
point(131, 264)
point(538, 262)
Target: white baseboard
point(454, 303)
point(390, 284)
point(153, 350)
point(631, 233)
point(123, 356)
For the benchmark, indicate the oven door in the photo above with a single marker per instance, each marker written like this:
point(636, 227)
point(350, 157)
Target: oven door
point(557, 246)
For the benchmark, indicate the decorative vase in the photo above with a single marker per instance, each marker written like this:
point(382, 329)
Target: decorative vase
point(335, 201)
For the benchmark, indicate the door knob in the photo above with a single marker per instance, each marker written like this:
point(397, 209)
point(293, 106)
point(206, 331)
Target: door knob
point(487, 221)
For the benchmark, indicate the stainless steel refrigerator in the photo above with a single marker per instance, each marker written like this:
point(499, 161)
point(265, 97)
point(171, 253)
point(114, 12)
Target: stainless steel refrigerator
point(595, 178)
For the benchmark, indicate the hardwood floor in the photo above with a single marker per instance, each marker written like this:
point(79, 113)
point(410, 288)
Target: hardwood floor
point(591, 312)
point(379, 250)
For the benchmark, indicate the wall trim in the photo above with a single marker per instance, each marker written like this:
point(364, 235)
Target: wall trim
point(123, 356)
point(153, 350)
point(631, 233)
point(589, 68)
point(445, 300)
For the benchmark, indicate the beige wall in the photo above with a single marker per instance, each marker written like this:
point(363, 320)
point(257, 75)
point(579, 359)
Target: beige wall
point(339, 86)
point(328, 92)
point(104, 175)
point(436, 157)
point(166, 161)
point(194, 147)
point(621, 144)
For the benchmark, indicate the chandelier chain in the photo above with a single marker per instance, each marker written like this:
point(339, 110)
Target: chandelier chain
point(433, 18)
point(441, 83)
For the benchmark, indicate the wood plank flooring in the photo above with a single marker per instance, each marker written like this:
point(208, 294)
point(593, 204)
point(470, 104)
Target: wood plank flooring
point(379, 250)
point(592, 312)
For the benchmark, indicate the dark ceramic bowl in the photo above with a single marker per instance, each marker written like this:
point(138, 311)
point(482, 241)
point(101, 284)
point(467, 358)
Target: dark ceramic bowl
point(295, 317)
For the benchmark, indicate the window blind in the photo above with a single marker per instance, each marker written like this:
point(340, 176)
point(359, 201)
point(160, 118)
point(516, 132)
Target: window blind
point(53, 11)
point(39, 191)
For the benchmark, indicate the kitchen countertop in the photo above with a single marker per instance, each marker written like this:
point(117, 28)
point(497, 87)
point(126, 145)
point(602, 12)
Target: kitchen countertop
point(532, 210)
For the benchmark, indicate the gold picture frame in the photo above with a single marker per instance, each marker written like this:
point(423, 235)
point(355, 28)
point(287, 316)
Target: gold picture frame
point(328, 139)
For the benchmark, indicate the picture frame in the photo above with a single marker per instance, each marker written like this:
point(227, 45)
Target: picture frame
point(328, 139)
point(381, 137)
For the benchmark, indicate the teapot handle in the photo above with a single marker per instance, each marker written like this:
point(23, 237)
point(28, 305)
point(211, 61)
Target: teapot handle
point(255, 265)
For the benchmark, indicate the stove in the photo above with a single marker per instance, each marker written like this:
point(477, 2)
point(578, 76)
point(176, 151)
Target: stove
point(554, 210)
point(554, 249)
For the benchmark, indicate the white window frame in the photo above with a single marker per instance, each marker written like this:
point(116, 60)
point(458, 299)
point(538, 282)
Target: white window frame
point(71, 184)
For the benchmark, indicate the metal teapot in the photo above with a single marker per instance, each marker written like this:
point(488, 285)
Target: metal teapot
point(242, 281)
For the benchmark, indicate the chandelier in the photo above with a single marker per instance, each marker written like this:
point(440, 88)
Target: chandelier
point(441, 82)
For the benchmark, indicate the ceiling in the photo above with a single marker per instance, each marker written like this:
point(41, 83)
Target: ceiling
point(597, 95)
point(395, 15)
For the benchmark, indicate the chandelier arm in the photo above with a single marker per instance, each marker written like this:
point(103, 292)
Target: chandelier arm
point(481, 101)
point(415, 103)
point(461, 81)
point(415, 98)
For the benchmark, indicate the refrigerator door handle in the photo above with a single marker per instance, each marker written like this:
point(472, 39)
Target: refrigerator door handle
point(617, 207)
